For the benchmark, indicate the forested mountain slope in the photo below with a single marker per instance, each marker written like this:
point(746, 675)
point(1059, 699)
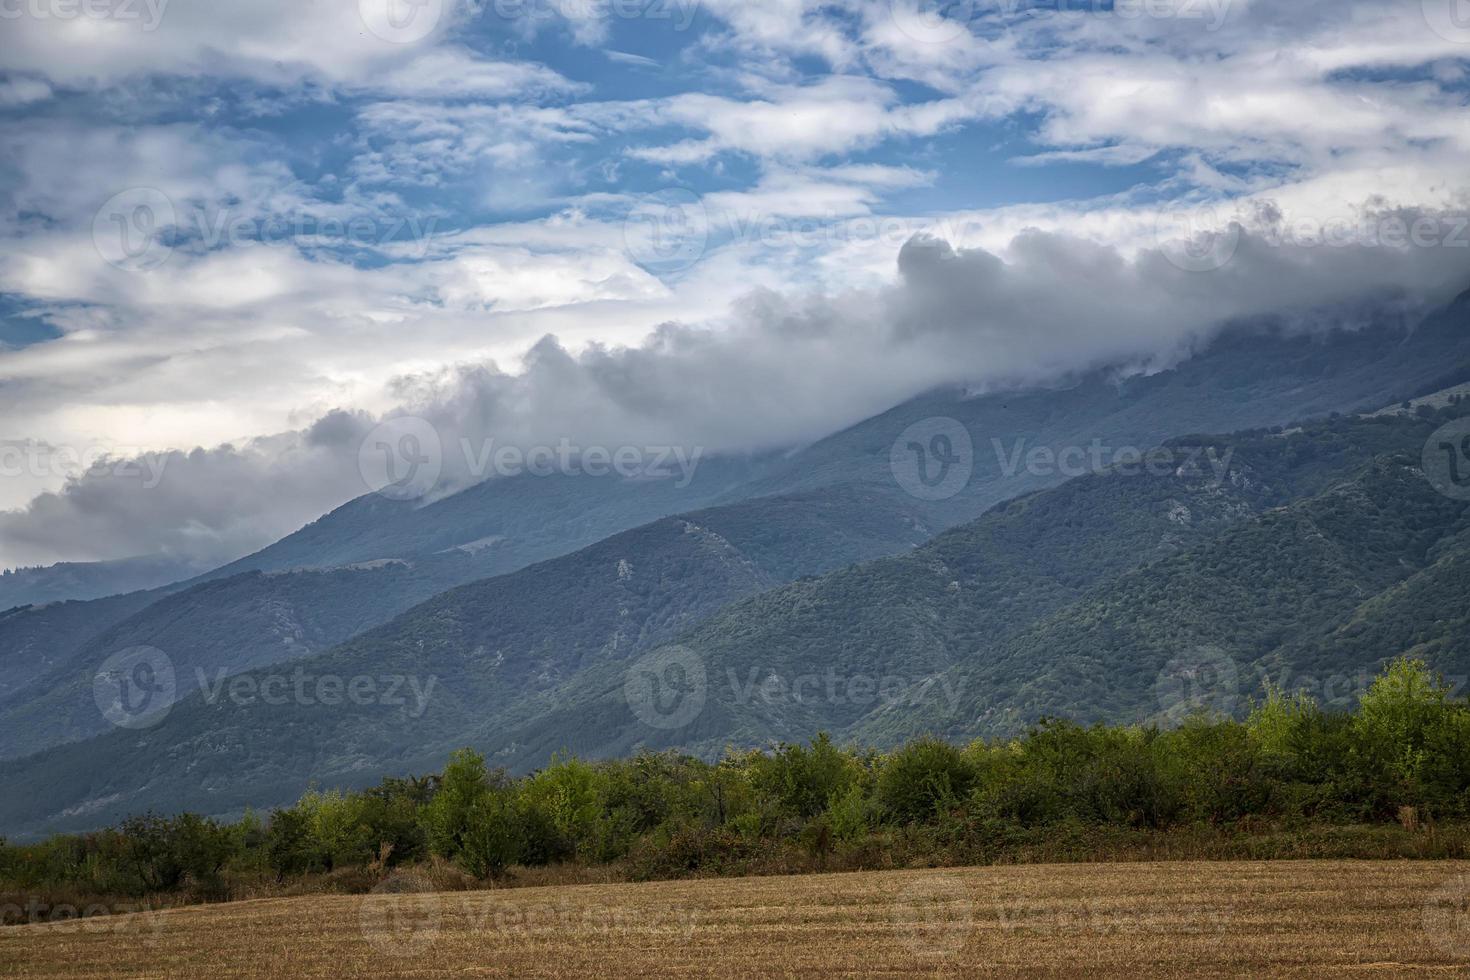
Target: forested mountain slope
point(1010, 612)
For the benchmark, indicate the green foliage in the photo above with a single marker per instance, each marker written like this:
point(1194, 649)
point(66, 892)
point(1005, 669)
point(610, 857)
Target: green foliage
point(801, 780)
point(569, 799)
point(851, 814)
point(162, 854)
point(1395, 716)
point(1062, 787)
point(923, 779)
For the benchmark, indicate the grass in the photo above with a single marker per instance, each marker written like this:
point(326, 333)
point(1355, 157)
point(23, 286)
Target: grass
point(1301, 918)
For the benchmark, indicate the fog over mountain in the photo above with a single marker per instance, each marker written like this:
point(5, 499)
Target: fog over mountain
point(745, 228)
point(779, 371)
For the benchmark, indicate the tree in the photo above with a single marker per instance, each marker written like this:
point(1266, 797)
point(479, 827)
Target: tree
point(923, 777)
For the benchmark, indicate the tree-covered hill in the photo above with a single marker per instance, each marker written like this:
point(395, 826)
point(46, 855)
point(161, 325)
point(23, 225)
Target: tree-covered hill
point(1064, 601)
point(233, 621)
point(1072, 602)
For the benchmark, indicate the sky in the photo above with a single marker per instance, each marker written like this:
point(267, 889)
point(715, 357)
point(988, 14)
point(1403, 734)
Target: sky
point(235, 237)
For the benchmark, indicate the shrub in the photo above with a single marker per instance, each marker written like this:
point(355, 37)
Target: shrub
point(163, 854)
point(802, 780)
point(923, 778)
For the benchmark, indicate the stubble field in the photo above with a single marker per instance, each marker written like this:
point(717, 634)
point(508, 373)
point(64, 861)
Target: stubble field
point(1305, 918)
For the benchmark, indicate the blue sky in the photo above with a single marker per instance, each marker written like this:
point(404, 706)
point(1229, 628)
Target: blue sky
point(683, 220)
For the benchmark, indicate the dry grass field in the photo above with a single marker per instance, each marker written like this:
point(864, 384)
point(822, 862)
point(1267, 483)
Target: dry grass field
point(1307, 918)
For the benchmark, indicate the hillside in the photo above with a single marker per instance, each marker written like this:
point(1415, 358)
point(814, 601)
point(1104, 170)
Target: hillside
point(1250, 377)
point(533, 662)
point(1071, 603)
point(486, 646)
point(89, 580)
point(1320, 591)
point(258, 619)
point(37, 640)
point(1254, 375)
point(249, 620)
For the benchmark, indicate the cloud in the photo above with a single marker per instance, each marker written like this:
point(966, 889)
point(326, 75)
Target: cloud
point(455, 73)
point(756, 206)
point(779, 370)
point(271, 41)
point(23, 91)
point(205, 505)
point(628, 58)
point(837, 114)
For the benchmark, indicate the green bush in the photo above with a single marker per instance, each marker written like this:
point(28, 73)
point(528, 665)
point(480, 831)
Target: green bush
point(1060, 791)
point(164, 854)
point(922, 779)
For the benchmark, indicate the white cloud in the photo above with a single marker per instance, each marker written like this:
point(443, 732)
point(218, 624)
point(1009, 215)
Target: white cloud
point(23, 91)
point(777, 369)
point(452, 73)
point(793, 319)
point(272, 41)
point(835, 115)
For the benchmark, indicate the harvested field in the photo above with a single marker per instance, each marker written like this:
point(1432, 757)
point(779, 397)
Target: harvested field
point(1301, 918)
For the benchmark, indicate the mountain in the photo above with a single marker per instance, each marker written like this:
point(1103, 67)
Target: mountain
point(1251, 376)
point(1272, 599)
point(530, 663)
point(36, 640)
point(1073, 601)
point(90, 580)
point(521, 633)
point(258, 619)
point(254, 619)
point(379, 557)
point(354, 569)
